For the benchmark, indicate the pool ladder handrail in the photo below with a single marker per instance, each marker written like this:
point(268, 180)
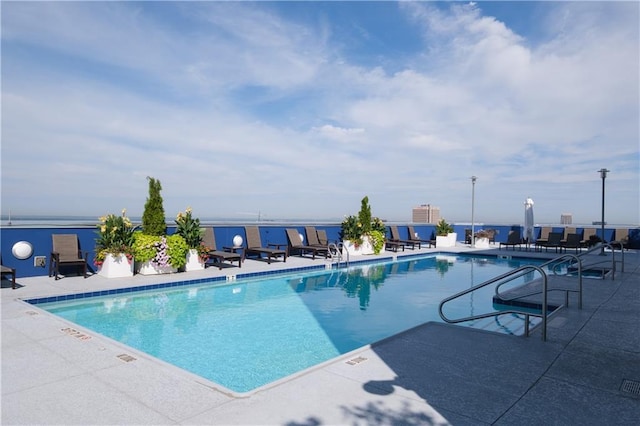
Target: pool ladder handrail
point(509, 276)
point(553, 265)
point(335, 250)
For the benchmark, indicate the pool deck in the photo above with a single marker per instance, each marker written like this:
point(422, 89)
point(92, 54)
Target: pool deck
point(587, 372)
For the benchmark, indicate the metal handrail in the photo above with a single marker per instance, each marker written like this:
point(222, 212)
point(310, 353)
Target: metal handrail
point(337, 249)
point(509, 276)
point(555, 262)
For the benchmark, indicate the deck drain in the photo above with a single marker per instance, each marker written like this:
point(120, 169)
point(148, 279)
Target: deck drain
point(630, 386)
point(357, 360)
point(75, 333)
point(126, 358)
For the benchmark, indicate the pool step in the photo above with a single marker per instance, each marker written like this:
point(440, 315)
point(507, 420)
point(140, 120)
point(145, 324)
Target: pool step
point(512, 324)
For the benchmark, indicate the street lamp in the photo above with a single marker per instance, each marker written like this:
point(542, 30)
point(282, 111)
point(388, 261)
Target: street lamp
point(473, 194)
point(603, 175)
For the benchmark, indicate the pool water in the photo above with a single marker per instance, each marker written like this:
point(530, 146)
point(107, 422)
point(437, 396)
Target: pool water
point(246, 334)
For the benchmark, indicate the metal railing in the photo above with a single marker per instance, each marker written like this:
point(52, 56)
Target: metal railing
point(506, 277)
point(336, 250)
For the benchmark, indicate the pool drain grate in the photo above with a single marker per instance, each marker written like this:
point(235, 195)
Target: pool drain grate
point(630, 386)
point(126, 358)
point(357, 360)
point(75, 333)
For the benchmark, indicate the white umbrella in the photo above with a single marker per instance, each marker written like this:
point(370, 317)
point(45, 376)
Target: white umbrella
point(528, 220)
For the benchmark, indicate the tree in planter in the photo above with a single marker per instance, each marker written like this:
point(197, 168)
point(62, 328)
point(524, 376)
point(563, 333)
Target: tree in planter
point(364, 216)
point(153, 220)
point(443, 228)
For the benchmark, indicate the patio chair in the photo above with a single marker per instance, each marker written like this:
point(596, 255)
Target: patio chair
point(621, 238)
point(228, 254)
point(295, 245)
point(313, 239)
point(412, 237)
point(5, 270)
point(255, 247)
point(544, 235)
point(513, 239)
point(567, 231)
point(554, 241)
point(587, 237)
point(66, 252)
point(395, 236)
point(572, 241)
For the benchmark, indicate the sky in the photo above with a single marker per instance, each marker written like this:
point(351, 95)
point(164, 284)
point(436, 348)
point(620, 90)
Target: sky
point(284, 110)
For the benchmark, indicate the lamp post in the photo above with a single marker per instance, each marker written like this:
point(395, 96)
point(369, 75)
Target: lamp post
point(473, 194)
point(603, 175)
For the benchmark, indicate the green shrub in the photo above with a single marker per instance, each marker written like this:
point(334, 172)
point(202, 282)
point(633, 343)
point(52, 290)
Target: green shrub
point(153, 219)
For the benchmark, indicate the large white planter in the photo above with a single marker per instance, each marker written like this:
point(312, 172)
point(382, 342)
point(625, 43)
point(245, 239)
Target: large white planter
point(482, 243)
point(116, 266)
point(148, 268)
point(194, 263)
point(446, 241)
point(362, 249)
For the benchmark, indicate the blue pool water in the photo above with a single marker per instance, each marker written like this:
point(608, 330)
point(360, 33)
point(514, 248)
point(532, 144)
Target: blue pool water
point(245, 334)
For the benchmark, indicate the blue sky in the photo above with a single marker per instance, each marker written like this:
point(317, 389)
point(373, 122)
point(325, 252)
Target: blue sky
point(300, 109)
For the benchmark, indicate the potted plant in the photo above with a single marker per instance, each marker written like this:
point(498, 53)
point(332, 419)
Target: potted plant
point(159, 254)
point(363, 234)
point(114, 252)
point(188, 228)
point(482, 238)
point(154, 251)
point(445, 237)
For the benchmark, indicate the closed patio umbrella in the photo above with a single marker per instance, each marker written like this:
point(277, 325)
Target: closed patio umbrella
point(528, 220)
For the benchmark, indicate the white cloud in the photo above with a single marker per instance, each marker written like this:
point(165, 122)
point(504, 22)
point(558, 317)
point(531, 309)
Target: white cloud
point(272, 107)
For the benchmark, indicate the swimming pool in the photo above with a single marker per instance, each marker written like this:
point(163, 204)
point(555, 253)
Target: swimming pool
point(246, 334)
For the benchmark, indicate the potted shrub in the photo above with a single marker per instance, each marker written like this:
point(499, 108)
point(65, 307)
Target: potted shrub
point(188, 228)
point(445, 237)
point(482, 238)
point(159, 254)
point(363, 234)
point(154, 251)
point(114, 252)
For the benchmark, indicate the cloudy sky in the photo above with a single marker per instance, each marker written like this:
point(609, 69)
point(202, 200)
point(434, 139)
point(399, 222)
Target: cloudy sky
point(299, 109)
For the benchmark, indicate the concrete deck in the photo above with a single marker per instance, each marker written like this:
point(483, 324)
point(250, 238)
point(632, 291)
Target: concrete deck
point(587, 372)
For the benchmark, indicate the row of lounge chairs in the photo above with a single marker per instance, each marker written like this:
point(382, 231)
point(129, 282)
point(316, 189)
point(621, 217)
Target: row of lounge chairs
point(561, 241)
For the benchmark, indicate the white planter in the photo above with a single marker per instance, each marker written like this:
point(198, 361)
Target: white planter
point(482, 243)
point(193, 261)
point(116, 266)
point(446, 241)
point(148, 268)
point(362, 249)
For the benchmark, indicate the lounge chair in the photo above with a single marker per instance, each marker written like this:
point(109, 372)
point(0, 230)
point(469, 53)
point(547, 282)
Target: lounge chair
point(554, 241)
point(621, 237)
point(295, 245)
point(66, 252)
point(588, 237)
point(255, 247)
point(322, 237)
point(313, 239)
point(228, 254)
point(4, 270)
point(395, 236)
point(412, 237)
point(567, 231)
point(544, 235)
point(572, 241)
point(513, 239)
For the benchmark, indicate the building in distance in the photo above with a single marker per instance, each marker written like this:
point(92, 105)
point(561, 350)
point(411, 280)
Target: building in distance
point(425, 213)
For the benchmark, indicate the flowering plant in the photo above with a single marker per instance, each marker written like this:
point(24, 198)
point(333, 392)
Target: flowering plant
point(354, 228)
point(162, 250)
point(115, 236)
point(189, 228)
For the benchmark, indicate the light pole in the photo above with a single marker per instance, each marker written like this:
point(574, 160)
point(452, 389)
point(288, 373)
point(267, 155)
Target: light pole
point(473, 195)
point(603, 175)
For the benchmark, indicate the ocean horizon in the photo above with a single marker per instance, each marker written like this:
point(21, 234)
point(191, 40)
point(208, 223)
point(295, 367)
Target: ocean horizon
point(70, 221)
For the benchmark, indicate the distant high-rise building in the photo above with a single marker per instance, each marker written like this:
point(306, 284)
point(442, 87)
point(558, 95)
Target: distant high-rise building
point(566, 219)
point(425, 213)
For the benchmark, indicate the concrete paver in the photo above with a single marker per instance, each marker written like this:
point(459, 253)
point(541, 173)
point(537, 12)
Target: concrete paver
point(432, 374)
